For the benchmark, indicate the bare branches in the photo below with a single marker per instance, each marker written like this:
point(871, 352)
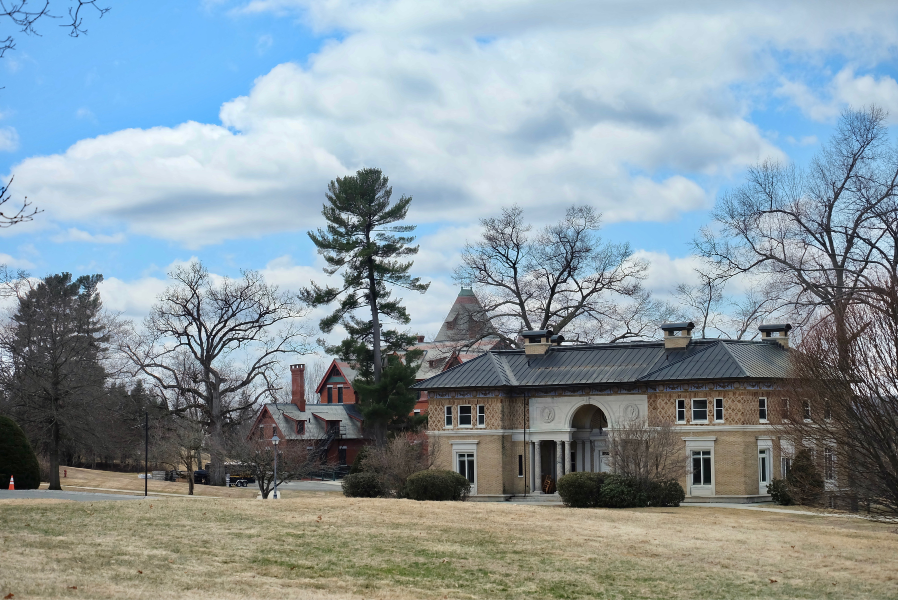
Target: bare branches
point(562, 277)
point(24, 14)
point(25, 212)
point(827, 234)
point(843, 406)
point(647, 451)
point(215, 347)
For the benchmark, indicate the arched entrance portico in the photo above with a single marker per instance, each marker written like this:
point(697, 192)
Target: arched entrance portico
point(582, 448)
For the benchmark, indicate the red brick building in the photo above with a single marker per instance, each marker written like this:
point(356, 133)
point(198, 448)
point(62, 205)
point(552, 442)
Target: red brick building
point(336, 428)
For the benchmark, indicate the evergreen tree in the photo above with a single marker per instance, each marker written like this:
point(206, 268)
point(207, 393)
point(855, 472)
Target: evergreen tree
point(360, 240)
point(17, 459)
point(55, 347)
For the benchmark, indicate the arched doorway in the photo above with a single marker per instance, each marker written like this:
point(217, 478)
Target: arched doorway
point(588, 450)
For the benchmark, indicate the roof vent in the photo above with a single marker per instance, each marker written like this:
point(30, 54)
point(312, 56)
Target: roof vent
point(777, 332)
point(677, 335)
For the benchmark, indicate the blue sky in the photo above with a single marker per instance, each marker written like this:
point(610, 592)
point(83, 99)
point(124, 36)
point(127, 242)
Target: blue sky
point(211, 129)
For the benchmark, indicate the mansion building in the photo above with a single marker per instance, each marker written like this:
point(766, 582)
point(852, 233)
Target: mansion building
point(514, 421)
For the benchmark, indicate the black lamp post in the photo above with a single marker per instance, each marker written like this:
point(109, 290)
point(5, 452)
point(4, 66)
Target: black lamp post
point(275, 441)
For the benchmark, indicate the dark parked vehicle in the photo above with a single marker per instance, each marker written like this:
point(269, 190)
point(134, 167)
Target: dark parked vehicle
point(201, 476)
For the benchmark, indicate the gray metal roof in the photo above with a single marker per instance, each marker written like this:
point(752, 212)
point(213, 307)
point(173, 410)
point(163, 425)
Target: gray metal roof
point(287, 414)
point(617, 363)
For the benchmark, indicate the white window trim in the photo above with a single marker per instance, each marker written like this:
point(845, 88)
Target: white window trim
point(448, 412)
point(715, 420)
point(459, 416)
point(766, 420)
point(466, 447)
point(765, 444)
point(479, 411)
point(699, 421)
point(676, 410)
point(692, 444)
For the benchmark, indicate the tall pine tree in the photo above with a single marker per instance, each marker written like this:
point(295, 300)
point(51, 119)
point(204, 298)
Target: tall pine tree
point(55, 347)
point(361, 241)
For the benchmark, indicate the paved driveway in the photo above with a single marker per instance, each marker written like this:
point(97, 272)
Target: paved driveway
point(311, 486)
point(62, 495)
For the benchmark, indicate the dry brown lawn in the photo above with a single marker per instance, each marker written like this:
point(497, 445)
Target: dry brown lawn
point(88, 480)
point(321, 545)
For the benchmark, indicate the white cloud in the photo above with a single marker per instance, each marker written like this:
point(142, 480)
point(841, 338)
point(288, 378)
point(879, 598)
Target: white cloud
point(76, 235)
point(85, 114)
point(9, 139)
point(131, 298)
point(845, 89)
point(466, 106)
point(15, 263)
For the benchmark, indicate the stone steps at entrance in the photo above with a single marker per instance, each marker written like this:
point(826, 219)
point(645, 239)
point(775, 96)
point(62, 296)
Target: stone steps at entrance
point(535, 499)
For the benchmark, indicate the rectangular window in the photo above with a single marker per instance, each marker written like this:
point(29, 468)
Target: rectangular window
point(416, 411)
point(702, 467)
point(679, 411)
point(764, 466)
point(521, 466)
point(342, 456)
point(830, 462)
point(465, 466)
point(720, 410)
point(262, 434)
point(699, 410)
point(763, 410)
point(465, 416)
point(826, 412)
point(807, 411)
point(785, 410)
point(274, 430)
point(340, 395)
point(481, 419)
point(301, 427)
point(448, 416)
point(785, 466)
point(328, 401)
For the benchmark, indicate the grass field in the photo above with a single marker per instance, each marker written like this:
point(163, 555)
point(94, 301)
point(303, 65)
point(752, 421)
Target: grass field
point(321, 545)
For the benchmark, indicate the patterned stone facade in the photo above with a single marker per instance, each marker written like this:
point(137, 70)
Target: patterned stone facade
point(735, 441)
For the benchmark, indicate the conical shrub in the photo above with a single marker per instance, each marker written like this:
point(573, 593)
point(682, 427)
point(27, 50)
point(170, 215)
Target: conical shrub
point(17, 458)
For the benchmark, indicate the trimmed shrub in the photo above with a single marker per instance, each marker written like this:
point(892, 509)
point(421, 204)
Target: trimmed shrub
point(581, 490)
point(357, 466)
point(437, 485)
point(362, 485)
point(664, 493)
point(619, 491)
point(17, 458)
point(780, 493)
point(804, 481)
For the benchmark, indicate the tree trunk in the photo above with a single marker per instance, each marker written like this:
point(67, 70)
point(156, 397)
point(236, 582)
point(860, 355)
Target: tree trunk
point(54, 456)
point(190, 472)
point(216, 438)
point(376, 326)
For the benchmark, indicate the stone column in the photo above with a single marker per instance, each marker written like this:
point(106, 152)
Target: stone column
point(560, 463)
point(579, 455)
point(596, 457)
point(567, 457)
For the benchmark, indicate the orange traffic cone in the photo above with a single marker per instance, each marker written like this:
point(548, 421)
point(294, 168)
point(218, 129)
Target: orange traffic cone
point(12, 484)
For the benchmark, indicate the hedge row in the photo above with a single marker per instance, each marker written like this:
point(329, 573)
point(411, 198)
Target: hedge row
point(424, 485)
point(607, 490)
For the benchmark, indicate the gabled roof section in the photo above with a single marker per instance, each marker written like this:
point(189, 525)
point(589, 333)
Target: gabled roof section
point(617, 363)
point(345, 370)
point(316, 417)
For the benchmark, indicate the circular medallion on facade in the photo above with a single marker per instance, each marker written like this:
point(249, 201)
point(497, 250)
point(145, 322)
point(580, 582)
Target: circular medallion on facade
point(548, 414)
point(632, 412)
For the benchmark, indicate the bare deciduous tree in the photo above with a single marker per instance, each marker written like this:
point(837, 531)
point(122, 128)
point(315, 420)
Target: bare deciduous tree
point(563, 276)
point(297, 459)
point(217, 346)
point(647, 450)
point(701, 301)
point(399, 458)
point(827, 234)
point(847, 413)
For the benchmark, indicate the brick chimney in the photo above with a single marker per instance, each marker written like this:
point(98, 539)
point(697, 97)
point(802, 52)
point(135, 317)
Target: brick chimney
point(777, 332)
point(420, 339)
point(298, 386)
point(677, 335)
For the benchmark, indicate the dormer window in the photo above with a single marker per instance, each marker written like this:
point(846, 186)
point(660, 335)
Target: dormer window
point(301, 427)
